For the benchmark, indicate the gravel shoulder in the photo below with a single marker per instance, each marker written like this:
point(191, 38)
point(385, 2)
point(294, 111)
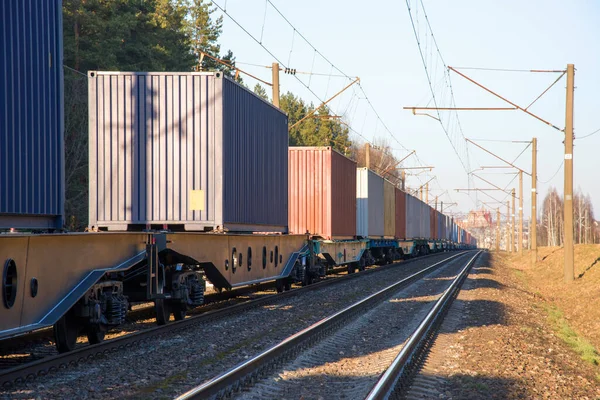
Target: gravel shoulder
point(497, 341)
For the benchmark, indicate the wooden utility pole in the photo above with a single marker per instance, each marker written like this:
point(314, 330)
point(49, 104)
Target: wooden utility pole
point(512, 230)
point(436, 200)
point(533, 225)
point(367, 155)
point(568, 217)
point(508, 246)
point(427, 193)
point(275, 71)
point(498, 230)
point(520, 245)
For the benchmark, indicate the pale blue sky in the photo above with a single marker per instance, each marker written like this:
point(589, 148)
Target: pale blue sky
point(375, 41)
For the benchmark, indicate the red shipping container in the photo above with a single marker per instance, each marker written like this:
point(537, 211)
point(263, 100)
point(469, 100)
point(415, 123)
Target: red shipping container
point(432, 223)
point(400, 214)
point(322, 193)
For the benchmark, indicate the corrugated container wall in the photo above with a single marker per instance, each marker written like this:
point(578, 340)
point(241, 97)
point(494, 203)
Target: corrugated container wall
point(369, 204)
point(441, 221)
point(31, 114)
point(400, 214)
point(417, 218)
point(191, 149)
point(425, 220)
point(322, 193)
point(432, 223)
point(389, 209)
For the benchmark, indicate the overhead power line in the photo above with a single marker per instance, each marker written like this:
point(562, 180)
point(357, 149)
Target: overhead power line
point(464, 158)
point(552, 177)
point(333, 66)
point(588, 135)
point(316, 52)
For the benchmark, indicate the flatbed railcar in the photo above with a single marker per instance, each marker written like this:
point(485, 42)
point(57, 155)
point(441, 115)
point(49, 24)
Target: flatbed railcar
point(157, 191)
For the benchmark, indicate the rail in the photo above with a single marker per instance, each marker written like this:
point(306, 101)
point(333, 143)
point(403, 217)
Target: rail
point(41, 367)
point(248, 371)
point(395, 377)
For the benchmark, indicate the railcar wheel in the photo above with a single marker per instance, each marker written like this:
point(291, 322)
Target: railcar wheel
point(351, 268)
point(287, 285)
point(279, 285)
point(66, 331)
point(95, 336)
point(163, 311)
point(179, 312)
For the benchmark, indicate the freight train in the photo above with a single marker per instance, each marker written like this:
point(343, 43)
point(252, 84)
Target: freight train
point(191, 180)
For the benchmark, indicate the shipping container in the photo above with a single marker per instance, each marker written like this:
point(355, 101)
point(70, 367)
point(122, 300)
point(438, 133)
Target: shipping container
point(193, 149)
point(389, 209)
point(31, 115)
point(322, 193)
point(432, 223)
point(369, 204)
point(417, 219)
point(400, 214)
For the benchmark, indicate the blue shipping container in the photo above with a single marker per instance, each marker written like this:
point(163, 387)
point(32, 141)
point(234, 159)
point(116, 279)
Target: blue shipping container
point(31, 114)
point(185, 148)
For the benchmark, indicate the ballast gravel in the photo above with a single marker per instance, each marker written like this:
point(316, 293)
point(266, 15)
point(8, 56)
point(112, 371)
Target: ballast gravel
point(496, 343)
point(172, 364)
point(348, 363)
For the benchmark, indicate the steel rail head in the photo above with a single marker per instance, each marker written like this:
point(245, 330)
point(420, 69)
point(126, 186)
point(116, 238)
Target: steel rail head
point(389, 380)
point(246, 370)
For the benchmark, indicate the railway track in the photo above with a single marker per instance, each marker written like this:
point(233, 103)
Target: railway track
point(321, 354)
point(21, 373)
point(44, 338)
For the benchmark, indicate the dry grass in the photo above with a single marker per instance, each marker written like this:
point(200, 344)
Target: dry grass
point(573, 307)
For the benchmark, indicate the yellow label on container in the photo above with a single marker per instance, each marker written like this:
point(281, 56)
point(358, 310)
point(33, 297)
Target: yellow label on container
point(196, 200)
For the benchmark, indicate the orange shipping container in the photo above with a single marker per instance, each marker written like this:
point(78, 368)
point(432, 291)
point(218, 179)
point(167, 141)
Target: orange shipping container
point(322, 193)
point(400, 214)
point(389, 210)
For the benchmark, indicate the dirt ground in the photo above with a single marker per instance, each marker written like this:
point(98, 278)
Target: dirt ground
point(517, 330)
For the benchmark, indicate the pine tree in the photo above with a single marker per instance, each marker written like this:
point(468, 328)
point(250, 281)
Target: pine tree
point(261, 92)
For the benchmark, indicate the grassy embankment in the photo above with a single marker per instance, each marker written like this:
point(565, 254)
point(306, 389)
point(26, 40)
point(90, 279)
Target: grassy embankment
point(573, 310)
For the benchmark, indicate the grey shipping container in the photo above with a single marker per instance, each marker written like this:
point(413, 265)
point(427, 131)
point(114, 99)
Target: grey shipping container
point(192, 149)
point(31, 115)
point(369, 204)
point(417, 218)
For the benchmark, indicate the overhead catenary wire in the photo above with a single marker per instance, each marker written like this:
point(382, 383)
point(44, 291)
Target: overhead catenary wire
point(333, 66)
point(555, 71)
point(552, 177)
point(521, 153)
point(465, 163)
point(588, 135)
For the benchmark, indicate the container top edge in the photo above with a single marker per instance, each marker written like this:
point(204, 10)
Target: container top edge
point(93, 73)
point(323, 148)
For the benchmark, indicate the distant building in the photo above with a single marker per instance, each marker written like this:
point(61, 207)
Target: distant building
point(478, 219)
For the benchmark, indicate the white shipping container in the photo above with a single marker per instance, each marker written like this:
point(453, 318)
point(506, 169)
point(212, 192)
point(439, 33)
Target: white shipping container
point(369, 203)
